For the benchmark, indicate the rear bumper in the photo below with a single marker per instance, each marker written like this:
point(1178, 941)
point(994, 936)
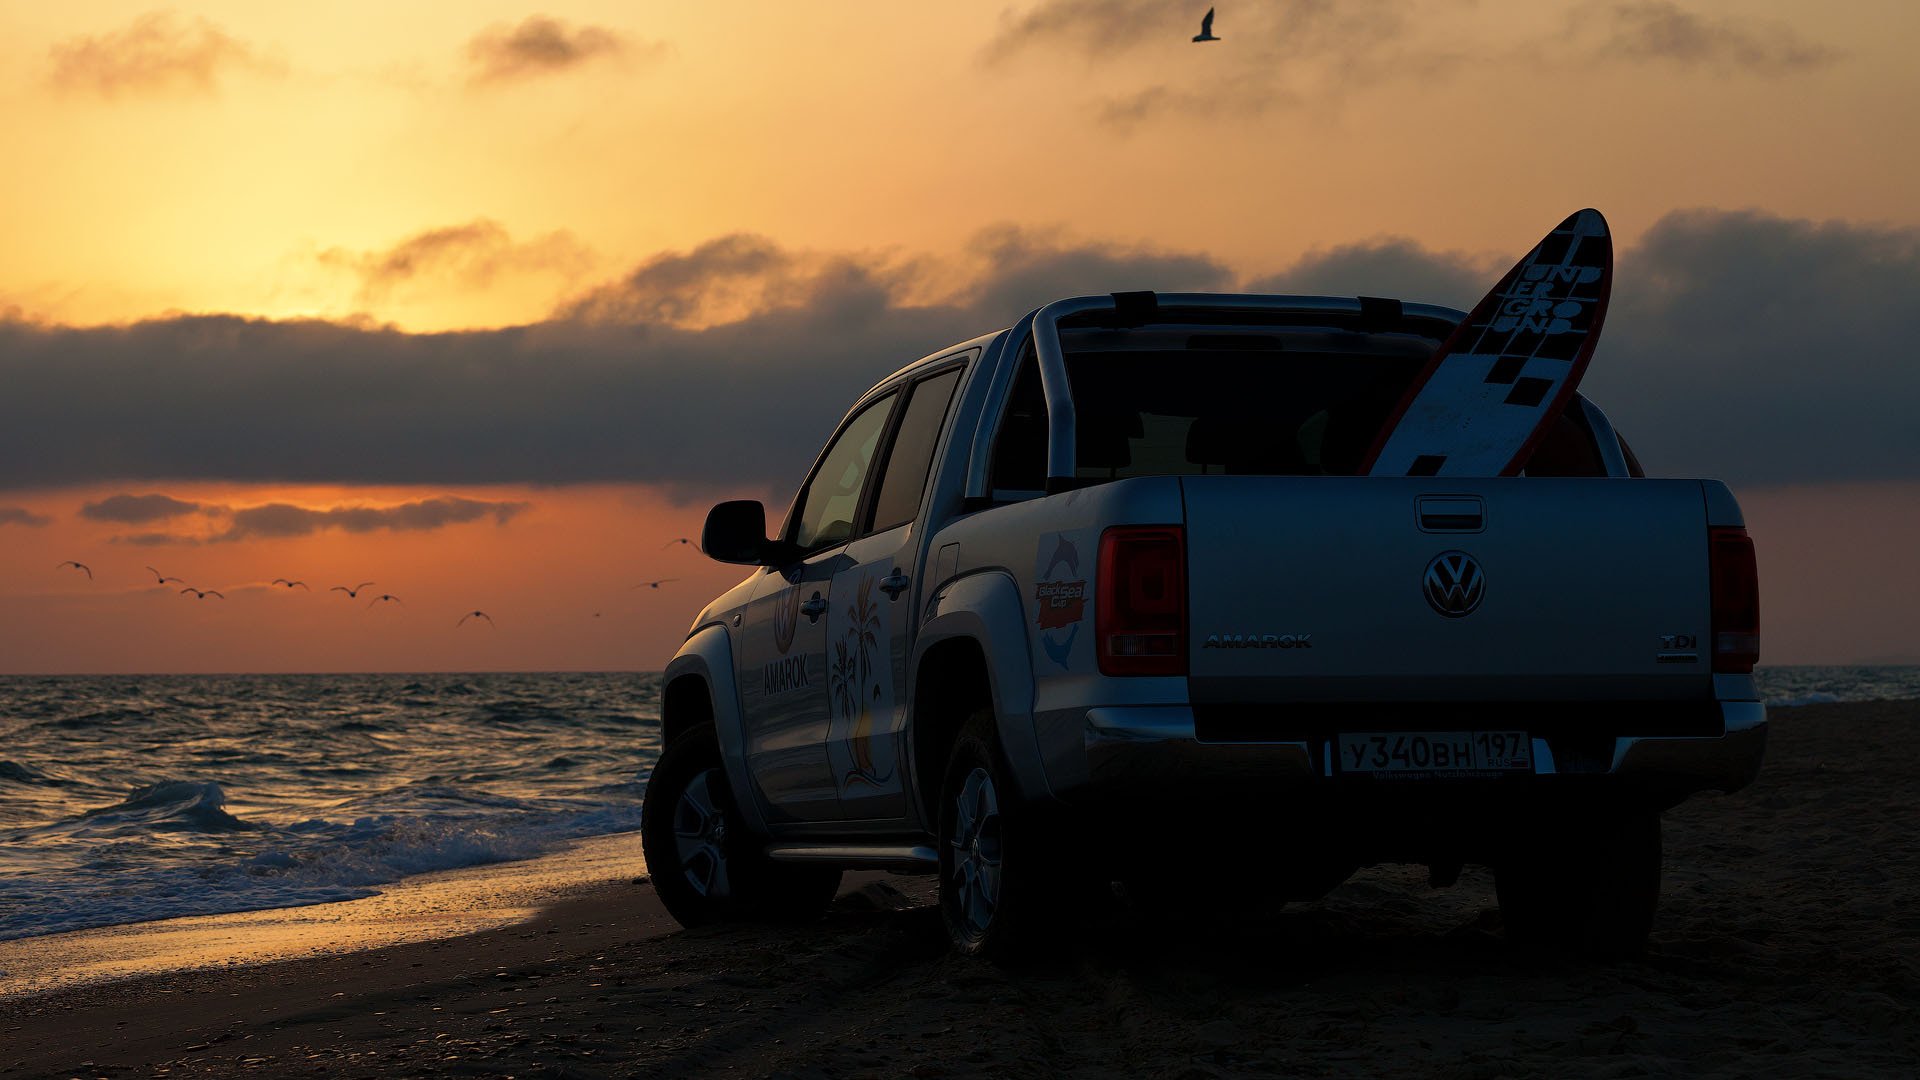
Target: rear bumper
point(1127, 751)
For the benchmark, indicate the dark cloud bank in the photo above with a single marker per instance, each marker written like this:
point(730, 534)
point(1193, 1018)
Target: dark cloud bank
point(1759, 349)
point(278, 521)
point(138, 509)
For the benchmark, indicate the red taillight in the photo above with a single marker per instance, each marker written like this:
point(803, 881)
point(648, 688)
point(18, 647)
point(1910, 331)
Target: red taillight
point(1736, 601)
point(1140, 606)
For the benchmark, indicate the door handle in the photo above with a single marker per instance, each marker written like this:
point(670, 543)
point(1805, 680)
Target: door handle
point(1451, 513)
point(814, 608)
point(895, 583)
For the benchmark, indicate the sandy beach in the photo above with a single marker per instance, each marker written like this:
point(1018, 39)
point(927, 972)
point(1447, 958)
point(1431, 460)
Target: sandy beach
point(1787, 945)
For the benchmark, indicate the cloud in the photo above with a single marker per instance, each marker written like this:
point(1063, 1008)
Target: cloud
point(15, 515)
point(1273, 55)
point(138, 509)
point(1766, 349)
point(1663, 31)
point(471, 255)
point(1015, 270)
point(1315, 53)
point(155, 539)
point(280, 520)
point(1092, 28)
point(1393, 266)
point(156, 54)
point(1757, 348)
point(542, 46)
point(719, 281)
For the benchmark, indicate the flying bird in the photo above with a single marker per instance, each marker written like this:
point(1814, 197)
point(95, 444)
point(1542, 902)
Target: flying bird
point(163, 579)
point(353, 593)
point(475, 615)
point(653, 584)
point(675, 540)
point(1206, 28)
point(201, 594)
point(76, 566)
point(290, 584)
point(385, 597)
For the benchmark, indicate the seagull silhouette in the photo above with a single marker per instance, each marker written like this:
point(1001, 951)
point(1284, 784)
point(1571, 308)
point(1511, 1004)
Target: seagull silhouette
point(675, 540)
point(475, 615)
point(385, 596)
point(289, 584)
point(353, 593)
point(163, 579)
point(201, 594)
point(1206, 28)
point(653, 584)
point(77, 566)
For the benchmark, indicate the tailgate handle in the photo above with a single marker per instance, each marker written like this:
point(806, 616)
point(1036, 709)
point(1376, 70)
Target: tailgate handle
point(1451, 513)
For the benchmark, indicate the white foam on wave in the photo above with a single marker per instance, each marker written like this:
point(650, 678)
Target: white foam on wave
point(1815, 698)
point(315, 862)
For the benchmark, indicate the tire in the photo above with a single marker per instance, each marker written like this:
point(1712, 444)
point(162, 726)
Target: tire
point(1007, 875)
point(1590, 889)
point(706, 865)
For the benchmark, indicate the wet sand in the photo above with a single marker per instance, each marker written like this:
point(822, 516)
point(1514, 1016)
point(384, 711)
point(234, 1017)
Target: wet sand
point(1788, 945)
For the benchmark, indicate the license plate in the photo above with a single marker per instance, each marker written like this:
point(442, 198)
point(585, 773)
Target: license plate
point(1435, 753)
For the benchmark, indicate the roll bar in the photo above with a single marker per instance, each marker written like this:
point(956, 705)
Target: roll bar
point(1043, 326)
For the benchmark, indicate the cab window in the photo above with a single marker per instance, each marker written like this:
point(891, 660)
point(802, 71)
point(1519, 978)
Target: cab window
point(823, 515)
point(904, 480)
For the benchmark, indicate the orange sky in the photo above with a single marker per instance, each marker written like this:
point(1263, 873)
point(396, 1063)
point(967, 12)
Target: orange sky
point(542, 576)
point(328, 132)
point(422, 165)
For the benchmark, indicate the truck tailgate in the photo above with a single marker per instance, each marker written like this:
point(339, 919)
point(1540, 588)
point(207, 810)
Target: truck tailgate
point(1363, 589)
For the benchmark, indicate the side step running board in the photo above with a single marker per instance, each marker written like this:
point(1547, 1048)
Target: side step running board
point(905, 858)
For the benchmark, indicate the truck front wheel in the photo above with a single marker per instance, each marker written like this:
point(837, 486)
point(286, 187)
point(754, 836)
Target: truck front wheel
point(705, 864)
point(1589, 888)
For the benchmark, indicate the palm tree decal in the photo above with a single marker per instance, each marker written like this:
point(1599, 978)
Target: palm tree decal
point(843, 678)
point(857, 682)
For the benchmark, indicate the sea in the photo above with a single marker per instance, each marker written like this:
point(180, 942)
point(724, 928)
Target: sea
point(130, 798)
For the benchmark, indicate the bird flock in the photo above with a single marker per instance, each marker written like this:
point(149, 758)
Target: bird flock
point(476, 616)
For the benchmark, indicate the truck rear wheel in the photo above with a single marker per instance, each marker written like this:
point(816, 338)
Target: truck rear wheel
point(705, 864)
point(1004, 877)
point(1590, 889)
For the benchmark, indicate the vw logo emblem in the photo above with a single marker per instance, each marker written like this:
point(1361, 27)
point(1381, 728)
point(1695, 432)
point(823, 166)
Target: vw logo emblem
point(1454, 584)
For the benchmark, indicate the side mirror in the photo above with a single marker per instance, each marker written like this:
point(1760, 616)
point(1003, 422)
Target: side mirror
point(736, 532)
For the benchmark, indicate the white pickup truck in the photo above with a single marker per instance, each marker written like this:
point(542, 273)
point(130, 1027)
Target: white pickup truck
point(1097, 598)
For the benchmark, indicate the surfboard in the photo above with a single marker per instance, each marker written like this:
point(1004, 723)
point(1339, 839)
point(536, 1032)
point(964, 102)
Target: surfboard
point(1501, 379)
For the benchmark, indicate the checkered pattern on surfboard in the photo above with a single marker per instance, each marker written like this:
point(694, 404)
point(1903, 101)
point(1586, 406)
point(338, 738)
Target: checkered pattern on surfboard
point(1500, 378)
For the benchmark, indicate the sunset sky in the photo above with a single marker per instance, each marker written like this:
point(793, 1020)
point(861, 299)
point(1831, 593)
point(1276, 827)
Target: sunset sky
point(487, 302)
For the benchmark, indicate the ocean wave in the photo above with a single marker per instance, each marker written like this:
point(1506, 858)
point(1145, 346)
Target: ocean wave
point(96, 718)
point(321, 864)
point(1815, 698)
point(168, 806)
point(1790, 686)
point(130, 799)
point(17, 773)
